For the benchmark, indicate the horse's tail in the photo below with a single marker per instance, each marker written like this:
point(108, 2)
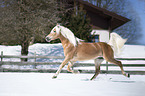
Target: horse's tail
point(117, 42)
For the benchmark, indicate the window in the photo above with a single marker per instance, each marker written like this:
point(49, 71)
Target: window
point(96, 38)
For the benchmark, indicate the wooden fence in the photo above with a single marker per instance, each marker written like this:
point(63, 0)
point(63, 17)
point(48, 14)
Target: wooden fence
point(76, 65)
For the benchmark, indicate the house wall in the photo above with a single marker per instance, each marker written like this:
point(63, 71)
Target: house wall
point(103, 35)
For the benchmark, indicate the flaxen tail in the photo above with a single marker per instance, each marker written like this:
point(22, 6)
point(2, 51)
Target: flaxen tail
point(117, 42)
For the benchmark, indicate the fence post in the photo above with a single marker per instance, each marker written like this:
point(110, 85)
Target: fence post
point(35, 60)
point(1, 59)
point(106, 67)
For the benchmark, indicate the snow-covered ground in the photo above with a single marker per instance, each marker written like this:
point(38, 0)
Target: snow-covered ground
point(41, 84)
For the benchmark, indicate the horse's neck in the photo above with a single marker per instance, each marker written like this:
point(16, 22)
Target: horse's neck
point(64, 41)
point(66, 44)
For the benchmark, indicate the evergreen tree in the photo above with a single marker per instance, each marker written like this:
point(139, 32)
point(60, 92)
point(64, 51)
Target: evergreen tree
point(78, 22)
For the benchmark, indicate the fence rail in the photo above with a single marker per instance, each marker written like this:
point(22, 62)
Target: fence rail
point(35, 63)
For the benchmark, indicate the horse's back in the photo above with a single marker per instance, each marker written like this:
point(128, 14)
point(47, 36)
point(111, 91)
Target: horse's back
point(87, 51)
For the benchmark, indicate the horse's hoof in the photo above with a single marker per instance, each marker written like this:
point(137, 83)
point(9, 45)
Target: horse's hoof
point(76, 72)
point(92, 78)
point(128, 75)
point(54, 77)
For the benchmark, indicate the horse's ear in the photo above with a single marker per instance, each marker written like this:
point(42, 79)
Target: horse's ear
point(58, 25)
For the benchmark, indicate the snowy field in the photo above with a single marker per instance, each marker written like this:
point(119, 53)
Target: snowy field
point(41, 84)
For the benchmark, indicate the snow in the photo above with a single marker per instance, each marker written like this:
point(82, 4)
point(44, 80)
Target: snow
point(41, 84)
point(133, 51)
point(67, 84)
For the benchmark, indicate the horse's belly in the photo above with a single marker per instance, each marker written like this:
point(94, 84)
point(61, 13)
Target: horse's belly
point(84, 57)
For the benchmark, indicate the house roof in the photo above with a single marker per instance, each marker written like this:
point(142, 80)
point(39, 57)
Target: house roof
point(102, 18)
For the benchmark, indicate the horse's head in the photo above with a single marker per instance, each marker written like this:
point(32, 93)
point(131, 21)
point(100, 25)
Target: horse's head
point(54, 34)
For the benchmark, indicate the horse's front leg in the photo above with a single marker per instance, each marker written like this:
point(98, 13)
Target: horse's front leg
point(66, 60)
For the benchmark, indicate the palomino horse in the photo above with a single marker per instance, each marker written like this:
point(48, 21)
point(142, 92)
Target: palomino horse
point(77, 50)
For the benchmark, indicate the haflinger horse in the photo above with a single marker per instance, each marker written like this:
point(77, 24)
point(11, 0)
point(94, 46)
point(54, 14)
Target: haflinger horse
point(76, 49)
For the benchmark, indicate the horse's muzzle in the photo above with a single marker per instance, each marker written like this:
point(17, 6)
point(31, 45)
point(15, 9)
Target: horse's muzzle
point(48, 39)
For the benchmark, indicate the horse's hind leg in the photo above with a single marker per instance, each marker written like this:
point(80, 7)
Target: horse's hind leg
point(108, 55)
point(111, 59)
point(97, 67)
point(69, 67)
point(121, 67)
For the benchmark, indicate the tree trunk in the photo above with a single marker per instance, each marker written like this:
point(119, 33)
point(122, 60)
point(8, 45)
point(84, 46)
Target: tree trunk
point(24, 50)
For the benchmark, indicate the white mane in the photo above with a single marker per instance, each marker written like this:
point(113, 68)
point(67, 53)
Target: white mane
point(69, 35)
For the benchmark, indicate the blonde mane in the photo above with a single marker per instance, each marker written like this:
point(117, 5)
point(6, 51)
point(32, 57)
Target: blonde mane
point(69, 35)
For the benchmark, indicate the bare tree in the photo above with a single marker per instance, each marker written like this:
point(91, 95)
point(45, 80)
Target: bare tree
point(22, 20)
point(132, 29)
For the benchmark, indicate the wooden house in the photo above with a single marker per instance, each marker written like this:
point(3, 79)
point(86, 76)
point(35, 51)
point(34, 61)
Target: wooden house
point(101, 19)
